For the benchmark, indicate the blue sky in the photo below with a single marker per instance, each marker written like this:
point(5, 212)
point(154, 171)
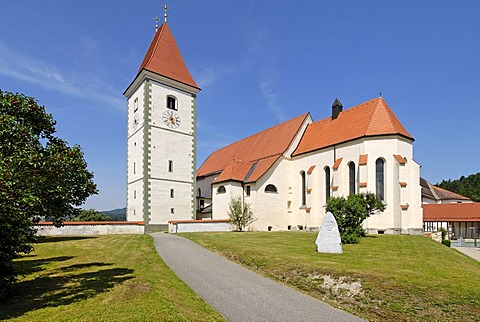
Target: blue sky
point(258, 63)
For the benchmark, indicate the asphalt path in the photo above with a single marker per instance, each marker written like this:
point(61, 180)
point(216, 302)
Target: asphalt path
point(473, 252)
point(236, 292)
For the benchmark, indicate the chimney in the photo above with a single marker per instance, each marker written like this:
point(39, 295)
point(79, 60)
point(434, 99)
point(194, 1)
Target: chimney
point(336, 108)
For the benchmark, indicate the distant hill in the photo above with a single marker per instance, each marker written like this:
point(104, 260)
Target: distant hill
point(465, 186)
point(119, 214)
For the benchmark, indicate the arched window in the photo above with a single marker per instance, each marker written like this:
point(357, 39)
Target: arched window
point(135, 105)
point(221, 189)
point(380, 178)
point(304, 188)
point(172, 103)
point(271, 188)
point(351, 178)
point(327, 183)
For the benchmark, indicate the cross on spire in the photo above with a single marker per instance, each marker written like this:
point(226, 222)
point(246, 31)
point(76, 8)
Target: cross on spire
point(165, 8)
point(156, 22)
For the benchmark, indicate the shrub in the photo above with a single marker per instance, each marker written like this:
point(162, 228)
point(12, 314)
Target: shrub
point(446, 242)
point(350, 212)
point(240, 213)
point(444, 233)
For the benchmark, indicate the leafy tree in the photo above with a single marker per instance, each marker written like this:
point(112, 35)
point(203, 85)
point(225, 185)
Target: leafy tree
point(240, 213)
point(40, 175)
point(91, 215)
point(465, 186)
point(350, 212)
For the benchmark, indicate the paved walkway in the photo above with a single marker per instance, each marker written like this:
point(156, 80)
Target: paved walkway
point(236, 292)
point(470, 252)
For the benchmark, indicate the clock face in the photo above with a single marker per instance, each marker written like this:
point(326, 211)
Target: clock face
point(136, 121)
point(171, 119)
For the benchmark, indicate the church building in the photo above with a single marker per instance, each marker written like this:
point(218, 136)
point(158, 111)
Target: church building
point(287, 172)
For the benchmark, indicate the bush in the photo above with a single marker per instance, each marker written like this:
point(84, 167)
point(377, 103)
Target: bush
point(444, 233)
point(350, 212)
point(91, 215)
point(240, 213)
point(446, 242)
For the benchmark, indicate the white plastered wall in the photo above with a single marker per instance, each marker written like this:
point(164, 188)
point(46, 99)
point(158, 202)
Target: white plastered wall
point(175, 145)
point(135, 156)
point(220, 201)
point(394, 219)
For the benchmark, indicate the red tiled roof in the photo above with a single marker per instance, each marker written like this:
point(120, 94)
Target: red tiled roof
point(368, 119)
point(433, 192)
point(79, 223)
point(235, 170)
point(452, 212)
point(447, 195)
point(164, 58)
point(261, 149)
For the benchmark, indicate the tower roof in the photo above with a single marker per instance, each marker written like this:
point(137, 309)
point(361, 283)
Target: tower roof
point(372, 118)
point(164, 58)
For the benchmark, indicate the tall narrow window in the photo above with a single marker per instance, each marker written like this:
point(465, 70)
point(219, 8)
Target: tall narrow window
point(380, 178)
point(134, 167)
point(170, 166)
point(172, 193)
point(248, 190)
point(134, 194)
point(351, 178)
point(199, 192)
point(135, 105)
point(327, 183)
point(172, 103)
point(304, 188)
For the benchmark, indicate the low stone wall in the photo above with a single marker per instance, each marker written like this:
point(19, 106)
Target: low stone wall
point(85, 228)
point(191, 226)
point(436, 236)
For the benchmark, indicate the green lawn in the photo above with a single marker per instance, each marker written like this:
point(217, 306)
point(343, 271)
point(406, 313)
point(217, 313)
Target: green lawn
point(104, 278)
point(402, 278)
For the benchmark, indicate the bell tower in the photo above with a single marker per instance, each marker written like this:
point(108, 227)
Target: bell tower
point(161, 136)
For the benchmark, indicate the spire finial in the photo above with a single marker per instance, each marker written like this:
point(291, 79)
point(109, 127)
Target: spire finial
point(156, 22)
point(380, 94)
point(165, 8)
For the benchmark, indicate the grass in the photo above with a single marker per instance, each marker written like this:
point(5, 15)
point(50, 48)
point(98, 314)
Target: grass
point(402, 278)
point(104, 278)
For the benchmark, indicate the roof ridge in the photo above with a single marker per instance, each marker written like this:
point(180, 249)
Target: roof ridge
point(449, 192)
point(348, 110)
point(371, 116)
point(258, 133)
point(389, 115)
point(160, 33)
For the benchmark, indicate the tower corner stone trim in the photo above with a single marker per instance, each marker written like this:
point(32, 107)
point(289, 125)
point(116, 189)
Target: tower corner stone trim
point(147, 96)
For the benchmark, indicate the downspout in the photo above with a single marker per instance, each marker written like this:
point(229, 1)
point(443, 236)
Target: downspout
point(243, 194)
